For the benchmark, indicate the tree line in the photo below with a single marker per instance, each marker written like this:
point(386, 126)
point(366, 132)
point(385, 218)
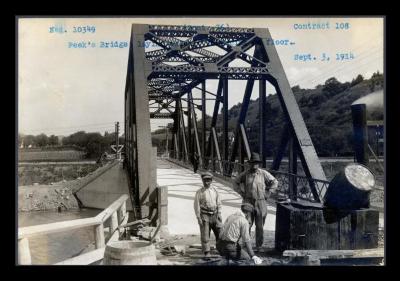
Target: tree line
point(93, 143)
point(326, 110)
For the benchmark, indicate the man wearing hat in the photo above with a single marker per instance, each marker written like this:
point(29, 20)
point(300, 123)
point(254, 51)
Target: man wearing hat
point(258, 185)
point(236, 228)
point(207, 207)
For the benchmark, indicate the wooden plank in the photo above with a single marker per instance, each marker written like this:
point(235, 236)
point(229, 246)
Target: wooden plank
point(301, 228)
point(30, 231)
point(85, 259)
point(99, 236)
point(92, 256)
point(106, 213)
point(24, 253)
point(162, 200)
point(114, 222)
point(366, 225)
point(331, 254)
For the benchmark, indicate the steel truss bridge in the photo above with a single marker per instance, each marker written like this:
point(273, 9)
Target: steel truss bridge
point(160, 80)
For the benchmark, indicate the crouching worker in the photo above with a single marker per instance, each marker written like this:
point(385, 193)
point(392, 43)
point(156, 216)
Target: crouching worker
point(235, 228)
point(207, 207)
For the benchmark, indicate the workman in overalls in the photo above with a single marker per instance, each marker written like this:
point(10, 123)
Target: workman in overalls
point(207, 207)
point(257, 187)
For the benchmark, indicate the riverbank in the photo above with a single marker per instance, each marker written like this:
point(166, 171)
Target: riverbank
point(53, 172)
point(56, 195)
point(45, 198)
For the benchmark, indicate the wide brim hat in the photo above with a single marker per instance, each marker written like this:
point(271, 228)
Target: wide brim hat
point(255, 158)
point(207, 175)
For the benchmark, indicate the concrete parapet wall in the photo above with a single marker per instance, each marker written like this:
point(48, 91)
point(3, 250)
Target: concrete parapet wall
point(106, 188)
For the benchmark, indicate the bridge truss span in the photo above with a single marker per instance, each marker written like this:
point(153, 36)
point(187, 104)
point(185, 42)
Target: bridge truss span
point(167, 63)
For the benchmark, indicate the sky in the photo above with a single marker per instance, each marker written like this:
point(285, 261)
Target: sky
point(62, 90)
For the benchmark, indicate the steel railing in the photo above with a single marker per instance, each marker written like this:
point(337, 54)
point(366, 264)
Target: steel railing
point(228, 170)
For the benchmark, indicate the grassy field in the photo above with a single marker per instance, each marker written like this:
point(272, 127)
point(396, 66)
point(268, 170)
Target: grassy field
point(50, 155)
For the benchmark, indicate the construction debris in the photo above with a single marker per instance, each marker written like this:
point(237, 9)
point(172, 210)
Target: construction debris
point(198, 246)
point(147, 232)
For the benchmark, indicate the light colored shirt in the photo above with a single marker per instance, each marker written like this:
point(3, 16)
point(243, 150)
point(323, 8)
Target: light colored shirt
point(207, 199)
point(256, 184)
point(236, 227)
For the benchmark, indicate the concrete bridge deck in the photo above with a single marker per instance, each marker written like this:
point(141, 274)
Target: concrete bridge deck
point(182, 185)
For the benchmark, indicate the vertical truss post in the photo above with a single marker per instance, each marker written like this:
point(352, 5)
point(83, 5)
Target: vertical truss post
point(203, 118)
point(225, 140)
point(292, 168)
point(189, 116)
point(241, 155)
point(176, 149)
point(241, 119)
point(196, 132)
point(178, 134)
point(182, 126)
point(281, 149)
point(214, 120)
point(142, 148)
point(212, 155)
point(216, 148)
point(262, 119)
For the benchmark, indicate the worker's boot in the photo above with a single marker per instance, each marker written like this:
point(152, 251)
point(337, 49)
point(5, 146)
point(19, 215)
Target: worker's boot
point(258, 249)
point(207, 255)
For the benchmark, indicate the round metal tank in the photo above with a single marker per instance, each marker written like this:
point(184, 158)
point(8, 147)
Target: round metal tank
point(350, 188)
point(129, 253)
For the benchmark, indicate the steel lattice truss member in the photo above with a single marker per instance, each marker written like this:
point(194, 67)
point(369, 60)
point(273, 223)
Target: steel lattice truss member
point(167, 62)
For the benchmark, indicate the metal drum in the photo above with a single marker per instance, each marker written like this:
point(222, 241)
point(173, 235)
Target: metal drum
point(127, 252)
point(350, 188)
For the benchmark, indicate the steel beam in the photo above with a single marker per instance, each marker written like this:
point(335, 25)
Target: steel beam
point(189, 118)
point(214, 118)
point(242, 116)
point(216, 149)
point(292, 169)
point(262, 121)
point(141, 120)
point(225, 140)
point(198, 72)
point(182, 128)
point(241, 155)
point(245, 141)
point(196, 133)
point(281, 149)
point(176, 149)
point(203, 118)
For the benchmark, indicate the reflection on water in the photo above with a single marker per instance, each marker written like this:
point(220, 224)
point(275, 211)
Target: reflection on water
point(56, 247)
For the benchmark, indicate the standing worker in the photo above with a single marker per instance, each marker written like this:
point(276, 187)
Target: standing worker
point(195, 162)
point(236, 228)
point(258, 185)
point(207, 207)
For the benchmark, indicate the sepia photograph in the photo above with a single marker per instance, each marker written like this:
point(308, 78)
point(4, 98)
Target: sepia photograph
point(200, 141)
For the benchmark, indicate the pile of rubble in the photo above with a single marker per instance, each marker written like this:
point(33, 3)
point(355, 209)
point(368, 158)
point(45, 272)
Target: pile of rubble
point(46, 197)
point(159, 236)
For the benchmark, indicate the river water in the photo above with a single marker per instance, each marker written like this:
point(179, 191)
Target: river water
point(56, 247)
